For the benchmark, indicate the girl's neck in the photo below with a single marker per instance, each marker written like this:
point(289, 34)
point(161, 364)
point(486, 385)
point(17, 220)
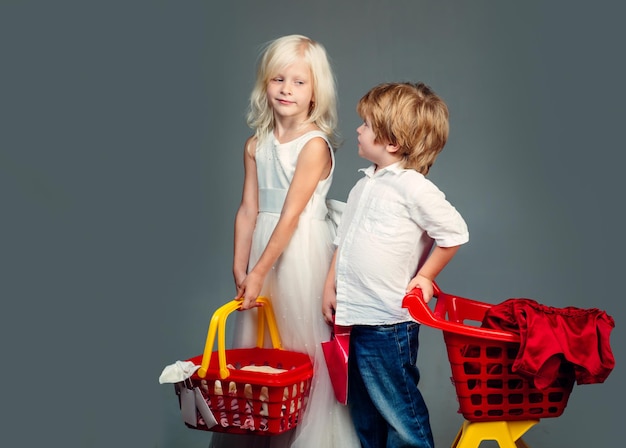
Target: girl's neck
point(286, 132)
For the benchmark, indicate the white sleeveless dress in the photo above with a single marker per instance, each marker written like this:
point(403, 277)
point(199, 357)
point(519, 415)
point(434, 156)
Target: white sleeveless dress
point(295, 286)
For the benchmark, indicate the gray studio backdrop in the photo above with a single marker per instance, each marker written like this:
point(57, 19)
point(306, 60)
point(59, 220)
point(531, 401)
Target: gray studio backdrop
point(121, 170)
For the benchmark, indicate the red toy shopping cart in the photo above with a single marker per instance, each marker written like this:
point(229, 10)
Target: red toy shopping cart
point(497, 403)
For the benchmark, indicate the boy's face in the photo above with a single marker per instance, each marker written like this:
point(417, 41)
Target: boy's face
point(369, 149)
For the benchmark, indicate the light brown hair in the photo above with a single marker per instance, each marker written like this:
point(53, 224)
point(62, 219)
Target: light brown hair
point(411, 116)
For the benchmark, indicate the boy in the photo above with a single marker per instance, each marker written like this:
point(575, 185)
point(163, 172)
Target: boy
point(397, 232)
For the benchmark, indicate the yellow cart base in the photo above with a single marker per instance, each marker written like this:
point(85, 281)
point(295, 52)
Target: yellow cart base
point(508, 434)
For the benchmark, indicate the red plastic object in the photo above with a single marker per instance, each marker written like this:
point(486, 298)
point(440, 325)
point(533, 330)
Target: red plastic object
point(271, 403)
point(245, 401)
point(481, 361)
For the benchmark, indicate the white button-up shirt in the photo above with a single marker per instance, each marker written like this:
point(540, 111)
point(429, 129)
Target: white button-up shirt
point(391, 220)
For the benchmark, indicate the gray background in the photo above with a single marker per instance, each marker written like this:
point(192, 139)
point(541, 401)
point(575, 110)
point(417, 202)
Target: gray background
point(122, 125)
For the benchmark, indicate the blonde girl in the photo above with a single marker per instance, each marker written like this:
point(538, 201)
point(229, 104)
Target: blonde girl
point(283, 227)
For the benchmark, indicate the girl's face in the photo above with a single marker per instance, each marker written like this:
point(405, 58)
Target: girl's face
point(290, 92)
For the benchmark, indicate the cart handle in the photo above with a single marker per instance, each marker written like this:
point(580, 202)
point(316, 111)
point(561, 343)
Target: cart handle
point(218, 325)
point(422, 313)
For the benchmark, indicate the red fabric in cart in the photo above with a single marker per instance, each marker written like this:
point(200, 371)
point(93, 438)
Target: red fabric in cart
point(550, 336)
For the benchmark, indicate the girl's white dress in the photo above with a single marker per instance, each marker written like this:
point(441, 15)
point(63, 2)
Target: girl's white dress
point(295, 286)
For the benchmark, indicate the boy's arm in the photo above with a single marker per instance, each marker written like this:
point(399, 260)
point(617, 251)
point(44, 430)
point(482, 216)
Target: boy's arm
point(329, 300)
point(434, 264)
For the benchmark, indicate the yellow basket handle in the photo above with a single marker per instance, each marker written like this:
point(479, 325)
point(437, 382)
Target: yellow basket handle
point(218, 326)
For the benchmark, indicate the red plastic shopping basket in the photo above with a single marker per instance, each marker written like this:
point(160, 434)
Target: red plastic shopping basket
point(481, 361)
point(251, 390)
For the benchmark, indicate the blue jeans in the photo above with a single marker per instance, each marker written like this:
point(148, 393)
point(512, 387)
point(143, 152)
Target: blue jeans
point(387, 408)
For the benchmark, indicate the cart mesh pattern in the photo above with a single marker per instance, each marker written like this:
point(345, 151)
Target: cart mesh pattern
point(488, 390)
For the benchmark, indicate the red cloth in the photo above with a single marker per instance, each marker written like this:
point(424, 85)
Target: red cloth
point(550, 336)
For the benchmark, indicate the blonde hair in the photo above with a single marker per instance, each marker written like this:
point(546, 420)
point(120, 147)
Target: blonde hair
point(277, 55)
point(411, 116)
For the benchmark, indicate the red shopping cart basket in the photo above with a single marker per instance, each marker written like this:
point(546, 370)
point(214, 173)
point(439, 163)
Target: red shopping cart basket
point(250, 390)
point(481, 361)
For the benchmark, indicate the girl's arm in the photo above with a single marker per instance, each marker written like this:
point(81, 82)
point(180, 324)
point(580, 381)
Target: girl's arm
point(434, 264)
point(313, 164)
point(245, 219)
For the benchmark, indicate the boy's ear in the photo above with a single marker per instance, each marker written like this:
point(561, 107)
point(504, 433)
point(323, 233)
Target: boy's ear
point(392, 148)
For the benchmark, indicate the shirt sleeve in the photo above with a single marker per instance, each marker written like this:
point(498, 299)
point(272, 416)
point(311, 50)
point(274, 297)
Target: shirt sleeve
point(439, 219)
point(346, 216)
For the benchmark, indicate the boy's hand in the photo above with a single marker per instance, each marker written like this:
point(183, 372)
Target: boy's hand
point(423, 283)
point(329, 304)
point(329, 299)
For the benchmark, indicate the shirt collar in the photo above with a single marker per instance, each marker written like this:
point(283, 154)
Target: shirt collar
point(394, 168)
